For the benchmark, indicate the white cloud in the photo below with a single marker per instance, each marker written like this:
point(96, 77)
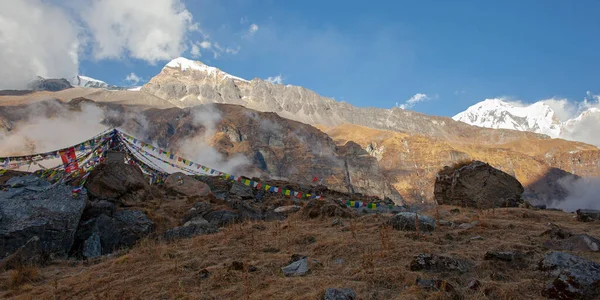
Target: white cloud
point(276, 79)
point(414, 100)
point(195, 52)
point(253, 29)
point(36, 38)
point(132, 78)
point(205, 44)
point(563, 108)
point(147, 30)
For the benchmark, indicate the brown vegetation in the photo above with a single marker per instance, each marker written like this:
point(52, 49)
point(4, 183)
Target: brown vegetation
point(356, 253)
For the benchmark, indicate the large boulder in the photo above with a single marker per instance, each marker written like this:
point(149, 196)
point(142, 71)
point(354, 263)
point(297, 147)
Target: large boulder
point(112, 180)
point(477, 185)
point(34, 208)
point(181, 184)
point(573, 277)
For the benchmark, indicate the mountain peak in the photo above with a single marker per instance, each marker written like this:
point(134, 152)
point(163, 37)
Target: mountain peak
point(184, 64)
point(497, 113)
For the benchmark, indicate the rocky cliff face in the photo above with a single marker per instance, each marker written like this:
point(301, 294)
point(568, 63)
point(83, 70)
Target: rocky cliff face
point(186, 83)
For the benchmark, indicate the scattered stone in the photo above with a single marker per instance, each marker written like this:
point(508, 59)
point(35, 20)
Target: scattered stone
point(474, 285)
point(477, 185)
point(204, 274)
point(190, 230)
point(297, 268)
point(196, 221)
point(200, 209)
point(222, 217)
point(435, 285)
point(476, 238)
point(339, 294)
point(455, 211)
point(465, 226)
point(587, 215)
point(555, 232)
point(574, 277)
point(438, 263)
point(92, 247)
point(252, 269)
point(580, 242)
point(326, 208)
point(271, 250)
point(290, 209)
point(507, 256)
point(475, 223)
point(407, 221)
point(241, 190)
point(446, 223)
point(259, 227)
point(236, 266)
point(337, 222)
point(338, 261)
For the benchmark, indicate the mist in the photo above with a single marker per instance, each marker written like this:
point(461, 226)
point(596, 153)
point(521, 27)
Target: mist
point(199, 148)
point(582, 194)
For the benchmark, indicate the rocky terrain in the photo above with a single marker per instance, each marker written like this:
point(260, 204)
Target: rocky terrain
point(215, 239)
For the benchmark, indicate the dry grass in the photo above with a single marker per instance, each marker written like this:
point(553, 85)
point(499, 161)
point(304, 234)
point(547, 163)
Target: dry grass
point(361, 254)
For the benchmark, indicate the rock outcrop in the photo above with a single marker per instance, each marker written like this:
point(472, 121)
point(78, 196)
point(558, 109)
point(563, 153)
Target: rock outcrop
point(33, 208)
point(573, 277)
point(477, 185)
point(114, 180)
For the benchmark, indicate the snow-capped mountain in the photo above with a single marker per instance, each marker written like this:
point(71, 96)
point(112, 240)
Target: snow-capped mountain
point(495, 113)
point(184, 64)
point(88, 82)
point(538, 117)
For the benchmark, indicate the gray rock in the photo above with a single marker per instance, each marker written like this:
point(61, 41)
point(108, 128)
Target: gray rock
point(439, 263)
point(114, 180)
point(507, 256)
point(133, 225)
point(52, 215)
point(196, 221)
point(92, 246)
point(222, 217)
point(190, 230)
point(339, 294)
point(580, 242)
point(435, 285)
point(288, 209)
point(446, 223)
point(200, 209)
point(241, 190)
point(573, 277)
point(28, 254)
point(475, 223)
point(407, 221)
point(246, 212)
point(587, 215)
point(465, 226)
point(124, 229)
point(297, 268)
point(476, 238)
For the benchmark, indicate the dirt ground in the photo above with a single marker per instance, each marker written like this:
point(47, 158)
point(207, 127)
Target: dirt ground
point(359, 254)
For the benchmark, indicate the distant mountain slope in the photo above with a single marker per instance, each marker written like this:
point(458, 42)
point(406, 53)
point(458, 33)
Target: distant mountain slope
point(186, 83)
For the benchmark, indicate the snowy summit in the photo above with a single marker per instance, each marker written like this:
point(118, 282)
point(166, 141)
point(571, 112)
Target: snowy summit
point(184, 64)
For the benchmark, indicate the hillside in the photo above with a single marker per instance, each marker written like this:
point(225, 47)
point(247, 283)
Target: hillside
point(244, 261)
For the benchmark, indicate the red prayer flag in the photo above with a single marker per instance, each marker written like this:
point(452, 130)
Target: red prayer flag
point(69, 159)
point(315, 179)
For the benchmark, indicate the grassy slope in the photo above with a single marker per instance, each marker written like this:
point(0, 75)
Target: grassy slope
point(375, 261)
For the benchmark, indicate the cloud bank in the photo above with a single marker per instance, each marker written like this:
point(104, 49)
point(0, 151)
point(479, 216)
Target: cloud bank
point(48, 39)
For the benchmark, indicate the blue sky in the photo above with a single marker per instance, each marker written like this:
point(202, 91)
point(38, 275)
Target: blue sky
point(382, 53)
